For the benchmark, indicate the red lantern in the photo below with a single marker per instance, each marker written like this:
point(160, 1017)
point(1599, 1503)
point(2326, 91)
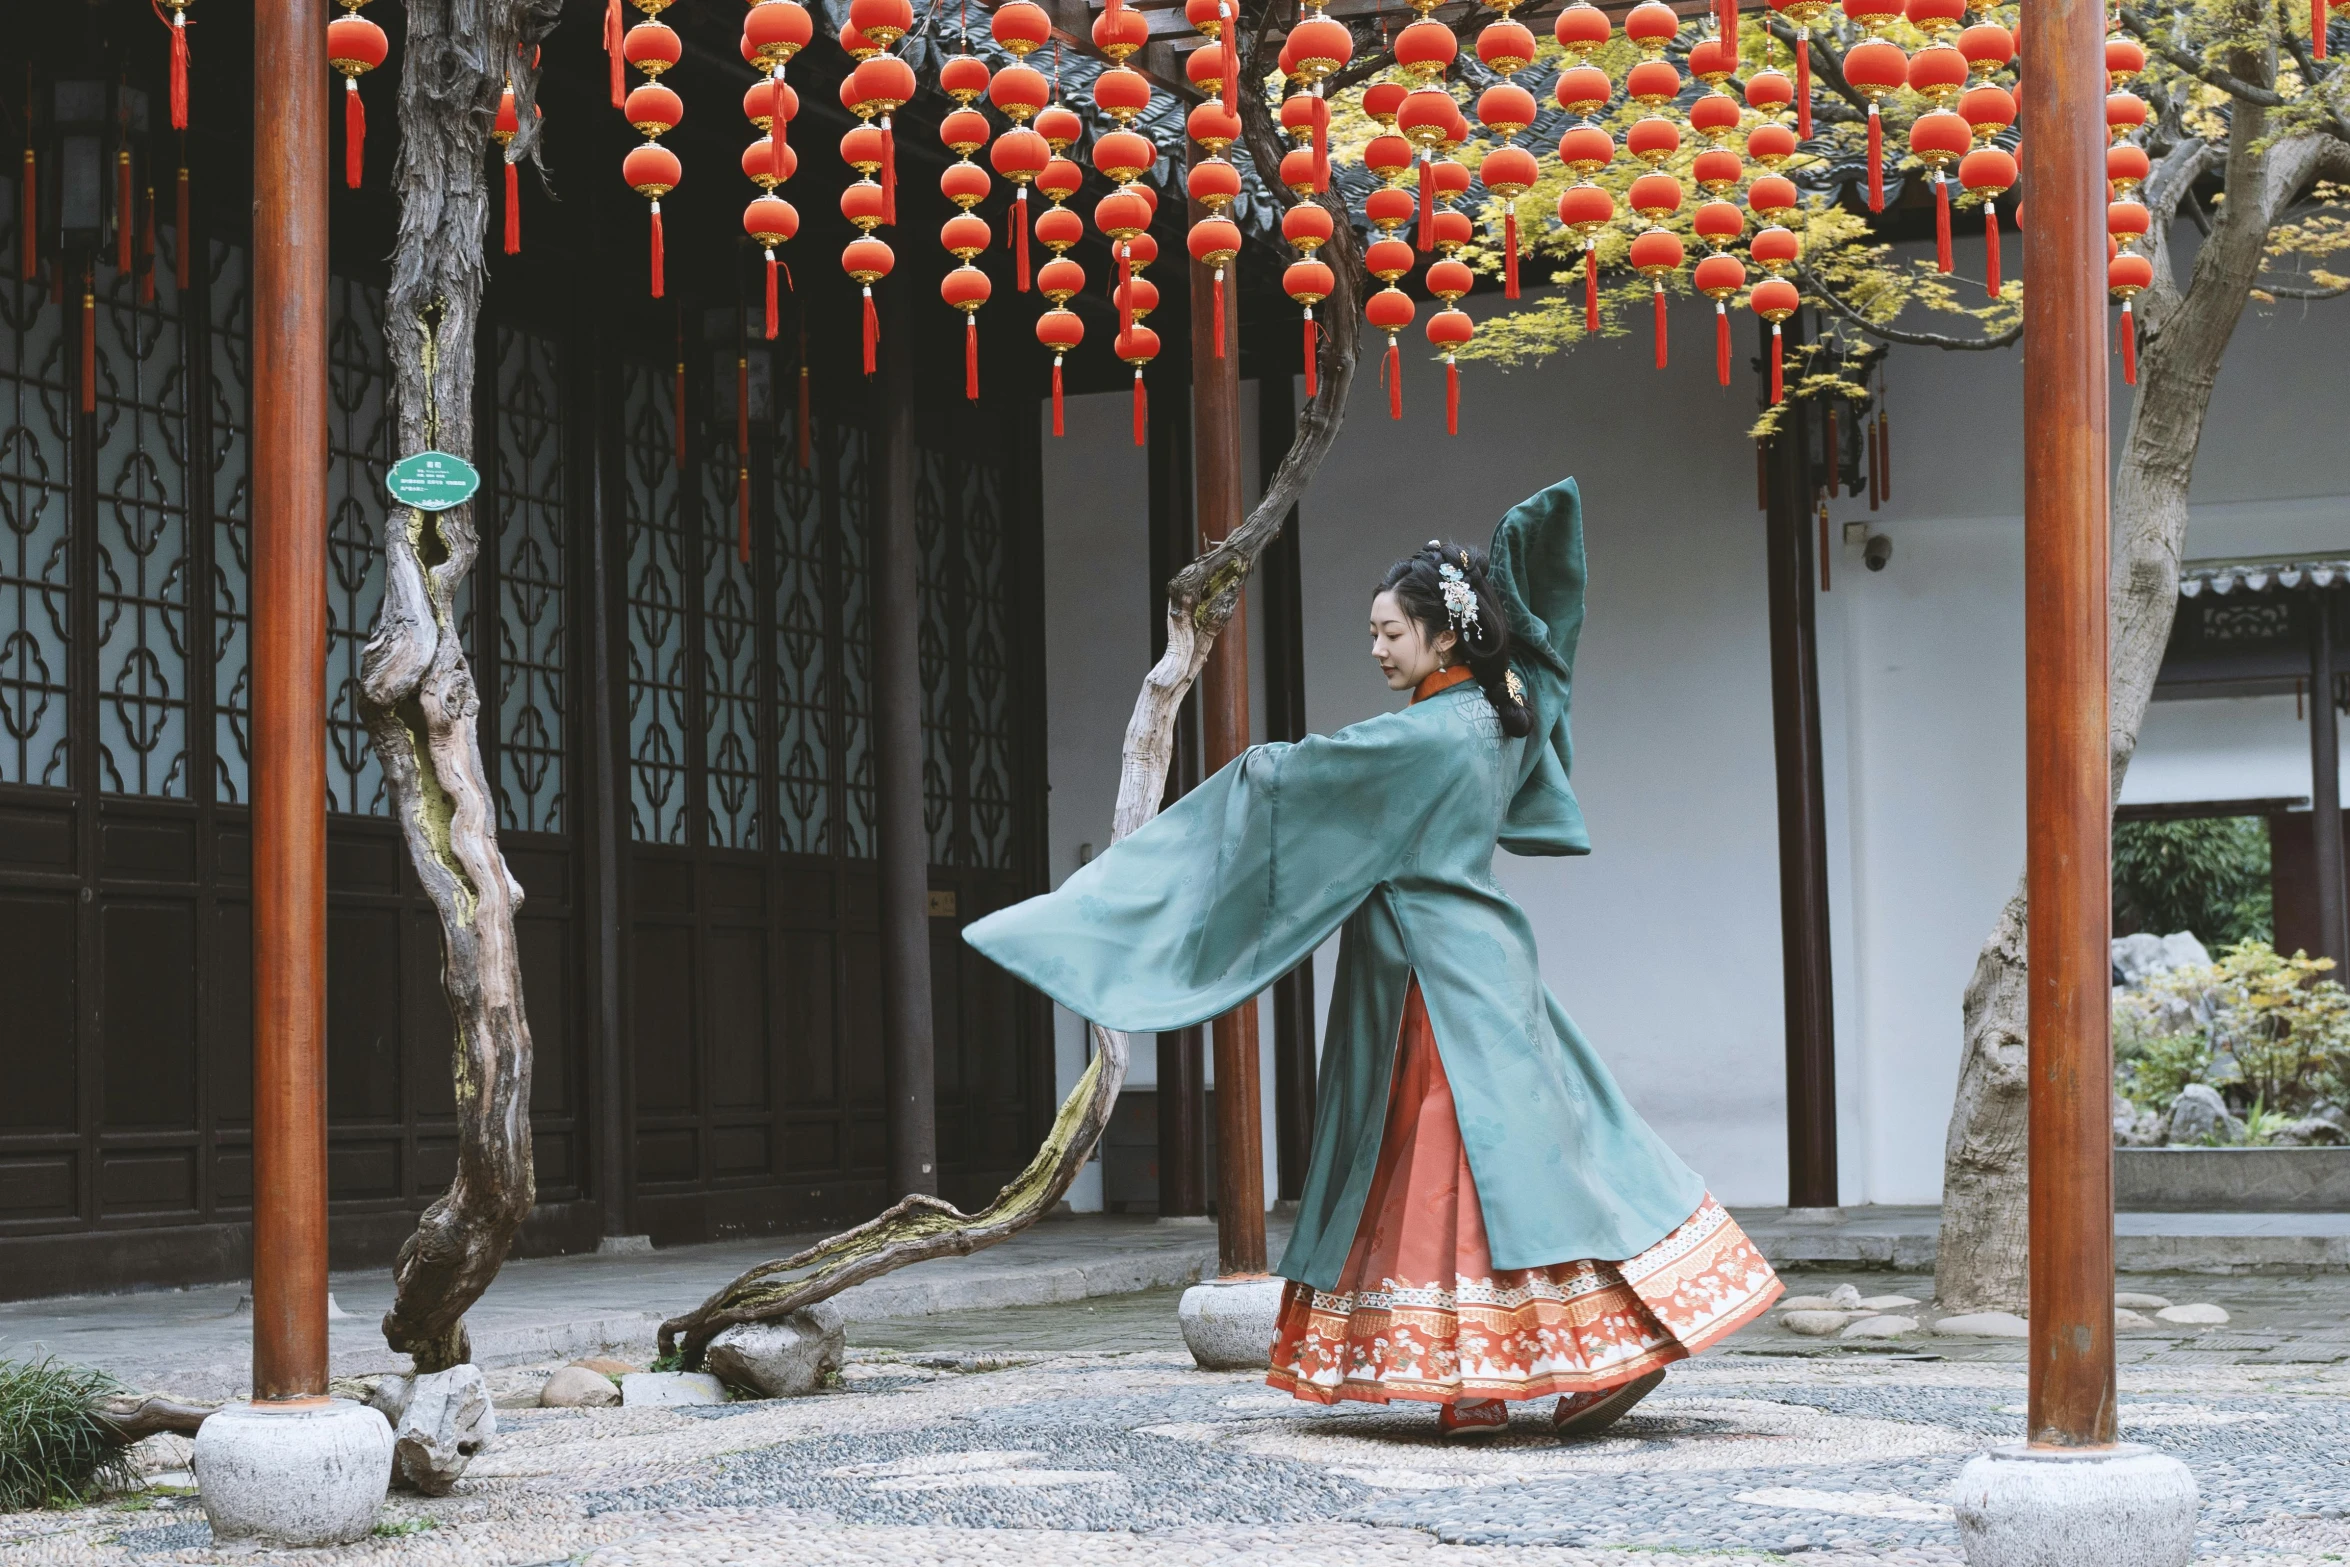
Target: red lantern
point(867, 260)
point(1986, 172)
point(2125, 112)
point(1718, 277)
point(2126, 167)
point(1214, 242)
point(1022, 27)
point(1775, 249)
point(1212, 126)
point(1803, 15)
point(1653, 83)
point(178, 23)
point(1584, 210)
point(652, 171)
point(503, 130)
point(1586, 149)
point(1118, 32)
point(1875, 68)
point(2126, 276)
point(1060, 331)
point(1770, 196)
point(1506, 47)
point(1584, 90)
point(1309, 282)
point(1651, 25)
point(1583, 29)
point(964, 78)
point(2125, 57)
point(1138, 346)
point(773, 32)
point(1988, 109)
point(1058, 228)
point(1938, 74)
point(1773, 146)
point(1448, 330)
point(1060, 279)
point(770, 220)
point(1658, 253)
point(1938, 140)
point(1718, 223)
point(1021, 156)
point(1988, 47)
point(966, 289)
point(354, 46)
point(1509, 172)
point(1390, 311)
point(1716, 117)
point(1653, 140)
point(1775, 299)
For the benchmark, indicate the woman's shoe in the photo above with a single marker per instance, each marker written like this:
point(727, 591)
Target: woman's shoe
point(1473, 1417)
point(1588, 1414)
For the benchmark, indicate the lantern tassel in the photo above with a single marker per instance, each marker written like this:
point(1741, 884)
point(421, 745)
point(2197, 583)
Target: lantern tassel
point(1722, 342)
point(1427, 203)
point(89, 349)
point(773, 303)
point(1509, 251)
point(28, 221)
point(872, 331)
point(1778, 367)
point(1321, 124)
point(1942, 261)
point(1057, 394)
point(777, 131)
point(513, 210)
point(354, 134)
point(1019, 217)
point(179, 234)
point(1125, 294)
point(889, 172)
point(971, 358)
point(2317, 29)
point(1803, 84)
point(612, 46)
point(1231, 52)
point(1991, 249)
point(125, 216)
point(1876, 159)
point(1219, 309)
point(657, 255)
point(1660, 323)
point(1391, 371)
point(1142, 410)
point(1313, 353)
point(179, 69)
point(2129, 346)
point(1452, 396)
point(1728, 12)
point(1590, 290)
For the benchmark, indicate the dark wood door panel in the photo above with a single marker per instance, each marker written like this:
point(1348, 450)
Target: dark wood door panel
point(37, 968)
point(363, 1014)
point(662, 1019)
point(147, 1013)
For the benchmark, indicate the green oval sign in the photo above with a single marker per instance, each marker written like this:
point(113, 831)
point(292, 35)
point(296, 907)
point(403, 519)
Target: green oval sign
point(432, 481)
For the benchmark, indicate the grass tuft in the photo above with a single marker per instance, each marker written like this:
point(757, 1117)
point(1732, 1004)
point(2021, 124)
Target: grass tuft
point(54, 1450)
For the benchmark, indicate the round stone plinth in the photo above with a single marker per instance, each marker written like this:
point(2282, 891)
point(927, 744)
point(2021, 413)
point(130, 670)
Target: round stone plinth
point(314, 1474)
point(2120, 1506)
point(1228, 1323)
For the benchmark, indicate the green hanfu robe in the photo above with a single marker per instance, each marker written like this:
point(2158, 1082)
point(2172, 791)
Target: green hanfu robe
point(1386, 831)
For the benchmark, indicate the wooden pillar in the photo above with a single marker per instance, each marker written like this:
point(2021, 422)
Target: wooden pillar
point(1215, 449)
point(1182, 1069)
point(1280, 591)
point(1806, 979)
point(289, 703)
point(2325, 782)
point(2068, 802)
point(608, 724)
point(897, 770)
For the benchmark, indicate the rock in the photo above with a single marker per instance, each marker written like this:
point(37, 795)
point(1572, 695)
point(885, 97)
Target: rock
point(1228, 1323)
point(2124, 1317)
point(576, 1387)
point(1844, 1296)
point(389, 1397)
point(605, 1365)
point(2309, 1132)
point(1984, 1324)
point(2196, 1314)
point(1806, 1303)
point(2141, 1129)
point(1815, 1324)
point(787, 1359)
point(449, 1419)
point(1881, 1327)
point(2139, 1302)
point(2135, 958)
point(665, 1389)
point(2199, 1115)
point(1886, 1302)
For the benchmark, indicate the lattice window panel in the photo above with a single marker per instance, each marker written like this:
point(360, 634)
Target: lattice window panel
point(360, 432)
point(230, 461)
point(803, 661)
point(856, 639)
point(532, 616)
point(987, 706)
point(730, 659)
point(657, 692)
point(933, 540)
point(35, 526)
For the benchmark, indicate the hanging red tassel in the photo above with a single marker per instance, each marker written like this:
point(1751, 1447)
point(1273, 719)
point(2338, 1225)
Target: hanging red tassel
point(125, 217)
point(971, 358)
point(354, 133)
point(2317, 29)
point(179, 69)
point(1142, 410)
point(1942, 262)
point(772, 302)
point(1590, 290)
point(1321, 124)
point(1219, 308)
point(1778, 367)
point(89, 347)
point(1660, 323)
point(1313, 353)
point(777, 134)
point(1057, 394)
point(1876, 159)
point(1231, 52)
point(180, 243)
point(513, 209)
point(658, 270)
point(2129, 346)
point(1391, 371)
point(28, 220)
point(1728, 21)
point(1125, 294)
point(1452, 396)
point(889, 172)
point(147, 250)
point(1427, 240)
point(1019, 217)
point(1803, 85)
point(612, 44)
point(1722, 341)
point(1509, 252)
point(872, 332)
point(1991, 249)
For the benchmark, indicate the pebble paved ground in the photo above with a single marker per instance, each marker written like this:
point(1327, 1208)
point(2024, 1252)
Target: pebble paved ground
point(1080, 1435)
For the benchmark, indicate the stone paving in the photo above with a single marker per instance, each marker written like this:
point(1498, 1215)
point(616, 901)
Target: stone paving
point(1080, 1434)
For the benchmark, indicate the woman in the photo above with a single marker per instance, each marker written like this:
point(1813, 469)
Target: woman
point(1485, 1217)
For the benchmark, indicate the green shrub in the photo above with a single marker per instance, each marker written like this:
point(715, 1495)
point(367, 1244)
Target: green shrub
point(2208, 875)
point(2271, 1033)
point(53, 1449)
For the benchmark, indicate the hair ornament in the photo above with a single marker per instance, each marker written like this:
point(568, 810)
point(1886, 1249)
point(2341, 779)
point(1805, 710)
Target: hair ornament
point(1460, 600)
point(1517, 688)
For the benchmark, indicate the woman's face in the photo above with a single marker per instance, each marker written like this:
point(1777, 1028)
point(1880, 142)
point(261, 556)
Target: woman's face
point(1400, 645)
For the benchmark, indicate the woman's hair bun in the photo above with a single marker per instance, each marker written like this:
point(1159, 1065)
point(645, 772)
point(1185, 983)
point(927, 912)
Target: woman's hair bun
point(1449, 587)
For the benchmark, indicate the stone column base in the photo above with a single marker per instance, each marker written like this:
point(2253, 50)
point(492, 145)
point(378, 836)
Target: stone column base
point(2120, 1506)
point(1228, 1323)
point(314, 1473)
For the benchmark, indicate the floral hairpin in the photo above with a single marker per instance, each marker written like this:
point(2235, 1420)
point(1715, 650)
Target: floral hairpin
point(1460, 600)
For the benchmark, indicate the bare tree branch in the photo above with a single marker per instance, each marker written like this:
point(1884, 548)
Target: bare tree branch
point(1889, 334)
point(2234, 86)
point(133, 1417)
point(2291, 291)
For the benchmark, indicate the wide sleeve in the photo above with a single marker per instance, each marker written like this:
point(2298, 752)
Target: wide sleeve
point(1231, 887)
point(1538, 569)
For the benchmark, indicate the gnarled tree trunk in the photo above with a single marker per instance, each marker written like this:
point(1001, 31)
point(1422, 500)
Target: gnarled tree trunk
point(417, 690)
point(1981, 1263)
